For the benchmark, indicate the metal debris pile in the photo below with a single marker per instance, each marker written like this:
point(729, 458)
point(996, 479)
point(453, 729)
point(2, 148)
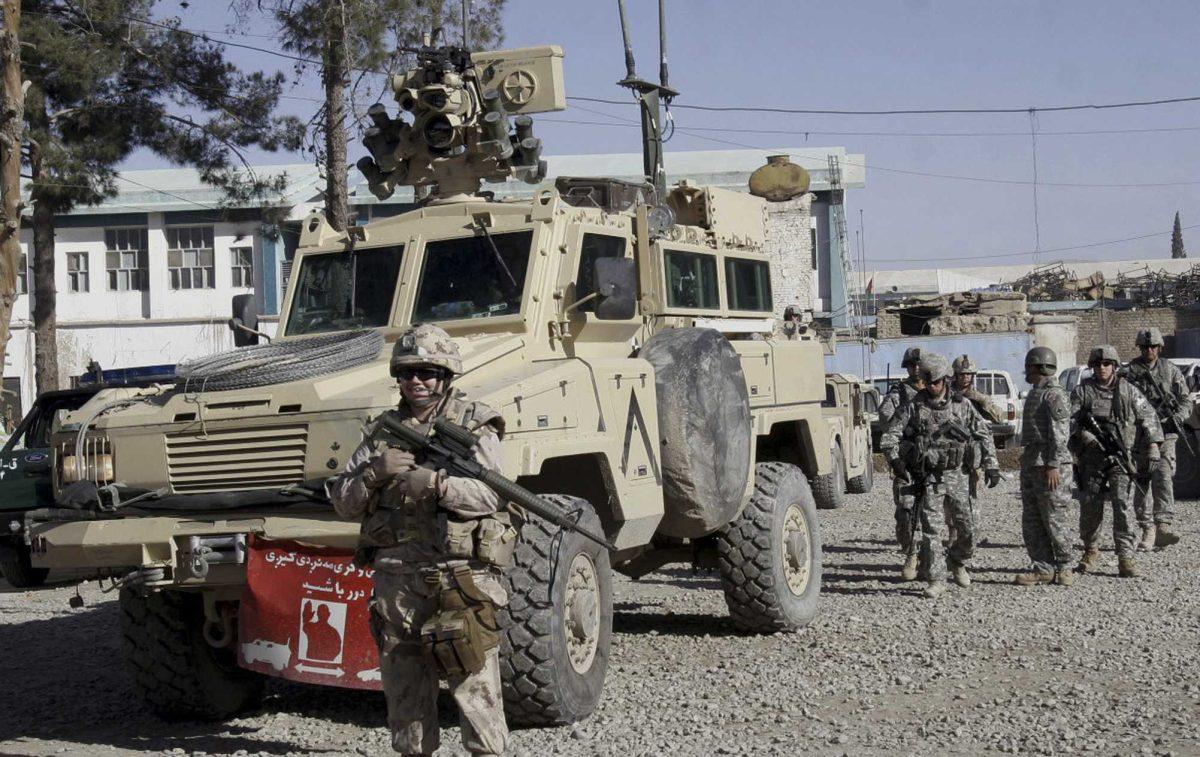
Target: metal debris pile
point(1160, 289)
point(1054, 282)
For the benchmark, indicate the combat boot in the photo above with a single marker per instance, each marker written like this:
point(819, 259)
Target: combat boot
point(935, 589)
point(1164, 536)
point(1090, 560)
point(1127, 568)
point(909, 571)
point(1034, 578)
point(1064, 577)
point(959, 573)
point(1149, 536)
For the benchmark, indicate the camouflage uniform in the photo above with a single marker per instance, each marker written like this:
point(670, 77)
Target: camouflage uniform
point(899, 395)
point(1045, 434)
point(1124, 409)
point(1162, 487)
point(409, 538)
point(916, 436)
point(974, 461)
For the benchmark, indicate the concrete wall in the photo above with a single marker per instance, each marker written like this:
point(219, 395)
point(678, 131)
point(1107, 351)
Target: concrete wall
point(1119, 328)
point(789, 243)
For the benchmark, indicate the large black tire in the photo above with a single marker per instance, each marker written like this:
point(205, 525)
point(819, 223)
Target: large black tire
point(864, 482)
point(17, 569)
point(770, 557)
point(174, 669)
point(830, 489)
point(1187, 467)
point(553, 613)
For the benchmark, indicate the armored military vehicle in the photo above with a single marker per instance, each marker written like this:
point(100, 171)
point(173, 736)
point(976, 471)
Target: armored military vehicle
point(624, 331)
point(849, 419)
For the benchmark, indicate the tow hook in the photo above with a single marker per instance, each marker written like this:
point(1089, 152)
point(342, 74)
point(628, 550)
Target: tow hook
point(202, 552)
point(218, 622)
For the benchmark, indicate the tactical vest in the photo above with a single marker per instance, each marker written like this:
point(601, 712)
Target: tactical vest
point(1037, 418)
point(934, 446)
point(399, 528)
point(1112, 407)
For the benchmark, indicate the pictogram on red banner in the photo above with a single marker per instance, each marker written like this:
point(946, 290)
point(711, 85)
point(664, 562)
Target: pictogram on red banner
point(304, 616)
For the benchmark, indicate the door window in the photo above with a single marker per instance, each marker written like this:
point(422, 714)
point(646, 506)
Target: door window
point(691, 280)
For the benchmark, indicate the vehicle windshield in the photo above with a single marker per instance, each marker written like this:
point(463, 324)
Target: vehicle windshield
point(44, 418)
point(474, 277)
point(344, 290)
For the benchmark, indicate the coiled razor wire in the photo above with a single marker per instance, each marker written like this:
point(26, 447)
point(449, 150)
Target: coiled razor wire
point(280, 362)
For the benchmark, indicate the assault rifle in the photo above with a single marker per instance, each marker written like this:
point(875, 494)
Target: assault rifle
point(1164, 402)
point(1116, 454)
point(451, 445)
point(918, 465)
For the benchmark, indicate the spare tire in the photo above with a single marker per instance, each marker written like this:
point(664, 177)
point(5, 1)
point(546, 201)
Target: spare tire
point(704, 429)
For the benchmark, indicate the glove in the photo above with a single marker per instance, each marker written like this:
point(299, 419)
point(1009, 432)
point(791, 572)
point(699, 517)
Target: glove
point(386, 466)
point(899, 470)
point(422, 485)
point(992, 477)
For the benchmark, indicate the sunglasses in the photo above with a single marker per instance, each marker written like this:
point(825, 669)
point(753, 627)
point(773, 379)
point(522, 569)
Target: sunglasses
point(421, 374)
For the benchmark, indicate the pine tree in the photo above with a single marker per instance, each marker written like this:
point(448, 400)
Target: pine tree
point(355, 40)
point(105, 80)
point(1177, 250)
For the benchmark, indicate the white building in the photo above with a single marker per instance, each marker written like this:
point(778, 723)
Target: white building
point(147, 278)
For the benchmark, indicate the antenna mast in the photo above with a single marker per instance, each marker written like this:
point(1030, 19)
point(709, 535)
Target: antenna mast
point(649, 96)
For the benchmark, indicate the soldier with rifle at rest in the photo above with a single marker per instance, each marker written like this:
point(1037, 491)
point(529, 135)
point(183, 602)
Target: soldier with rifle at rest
point(898, 395)
point(925, 443)
point(1046, 472)
point(1163, 384)
point(439, 544)
point(1107, 414)
point(964, 386)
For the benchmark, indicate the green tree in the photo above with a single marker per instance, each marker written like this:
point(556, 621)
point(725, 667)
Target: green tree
point(358, 44)
point(1177, 250)
point(106, 80)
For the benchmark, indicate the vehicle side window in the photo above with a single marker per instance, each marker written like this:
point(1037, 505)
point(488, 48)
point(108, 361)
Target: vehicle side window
point(984, 384)
point(1000, 385)
point(748, 284)
point(830, 396)
point(594, 247)
point(691, 280)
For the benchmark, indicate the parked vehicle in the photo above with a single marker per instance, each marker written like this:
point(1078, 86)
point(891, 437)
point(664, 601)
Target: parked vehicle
point(845, 411)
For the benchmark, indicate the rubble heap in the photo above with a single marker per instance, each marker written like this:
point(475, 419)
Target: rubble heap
point(1054, 282)
point(957, 313)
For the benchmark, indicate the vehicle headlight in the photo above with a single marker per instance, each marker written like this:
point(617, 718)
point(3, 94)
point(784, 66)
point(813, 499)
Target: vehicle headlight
point(96, 464)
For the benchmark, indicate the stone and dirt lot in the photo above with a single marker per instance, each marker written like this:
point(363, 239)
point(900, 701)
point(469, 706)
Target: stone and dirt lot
point(1110, 666)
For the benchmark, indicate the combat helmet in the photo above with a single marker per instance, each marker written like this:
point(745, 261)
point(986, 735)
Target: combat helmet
point(1150, 337)
point(1042, 358)
point(964, 364)
point(934, 367)
point(1101, 353)
point(426, 345)
point(912, 356)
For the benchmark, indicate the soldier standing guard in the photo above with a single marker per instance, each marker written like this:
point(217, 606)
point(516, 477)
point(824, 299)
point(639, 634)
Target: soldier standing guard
point(1163, 384)
point(964, 386)
point(1045, 472)
point(898, 395)
point(438, 544)
point(1107, 415)
point(925, 443)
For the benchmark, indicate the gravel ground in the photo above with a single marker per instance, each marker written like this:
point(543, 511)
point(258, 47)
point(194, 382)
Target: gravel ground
point(1107, 667)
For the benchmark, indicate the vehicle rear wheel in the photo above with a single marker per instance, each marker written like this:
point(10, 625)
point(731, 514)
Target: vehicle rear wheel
point(18, 570)
point(1187, 467)
point(176, 671)
point(864, 482)
point(830, 489)
point(558, 623)
point(770, 557)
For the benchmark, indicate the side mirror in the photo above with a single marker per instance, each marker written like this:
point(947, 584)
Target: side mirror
point(244, 322)
point(616, 289)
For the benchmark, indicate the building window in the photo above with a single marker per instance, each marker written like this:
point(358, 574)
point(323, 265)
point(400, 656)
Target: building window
point(190, 257)
point(126, 259)
point(23, 275)
point(242, 261)
point(77, 272)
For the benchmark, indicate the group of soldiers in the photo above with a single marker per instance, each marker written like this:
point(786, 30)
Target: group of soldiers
point(1113, 438)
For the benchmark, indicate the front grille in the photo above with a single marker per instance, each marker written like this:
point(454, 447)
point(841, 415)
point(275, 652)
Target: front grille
point(235, 459)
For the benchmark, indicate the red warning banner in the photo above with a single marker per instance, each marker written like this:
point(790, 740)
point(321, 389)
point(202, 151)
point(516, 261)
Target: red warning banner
point(304, 616)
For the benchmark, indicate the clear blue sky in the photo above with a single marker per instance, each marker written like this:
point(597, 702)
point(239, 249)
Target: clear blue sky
point(886, 55)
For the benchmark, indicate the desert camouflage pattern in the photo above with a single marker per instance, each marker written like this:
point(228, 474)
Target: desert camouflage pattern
point(944, 490)
point(903, 493)
point(1045, 442)
point(404, 601)
point(426, 345)
point(1161, 491)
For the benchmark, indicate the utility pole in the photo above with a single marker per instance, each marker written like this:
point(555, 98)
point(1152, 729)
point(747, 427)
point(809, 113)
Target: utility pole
point(12, 127)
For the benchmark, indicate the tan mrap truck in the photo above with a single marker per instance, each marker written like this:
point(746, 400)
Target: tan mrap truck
point(848, 416)
point(624, 333)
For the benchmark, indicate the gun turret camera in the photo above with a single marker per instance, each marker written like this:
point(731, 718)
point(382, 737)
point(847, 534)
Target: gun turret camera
point(470, 120)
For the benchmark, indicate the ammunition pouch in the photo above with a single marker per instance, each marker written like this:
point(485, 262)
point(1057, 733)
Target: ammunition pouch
point(491, 540)
point(464, 629)
point(944, 457)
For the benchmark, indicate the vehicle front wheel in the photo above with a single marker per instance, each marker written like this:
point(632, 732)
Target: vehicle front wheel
point(174, 669)
point(18, 570)
point(864, 482)
point(830, 489)
point(558, 623)
point(770, 557)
